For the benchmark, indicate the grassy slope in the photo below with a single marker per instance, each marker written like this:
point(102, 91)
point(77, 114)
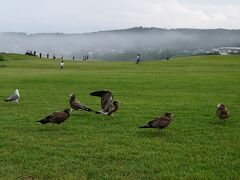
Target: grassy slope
point(93, 146)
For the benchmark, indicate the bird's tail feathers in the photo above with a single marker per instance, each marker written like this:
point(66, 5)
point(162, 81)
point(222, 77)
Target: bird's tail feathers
point(98, 112)
point(146, 126)
point(43, 121)
point(87, 109)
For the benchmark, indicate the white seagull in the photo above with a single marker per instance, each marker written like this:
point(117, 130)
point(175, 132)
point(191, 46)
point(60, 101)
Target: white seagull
point(14, 98)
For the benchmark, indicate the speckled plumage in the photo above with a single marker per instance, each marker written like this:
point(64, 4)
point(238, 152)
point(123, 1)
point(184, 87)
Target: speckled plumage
point(76, 105)
point(222, 112)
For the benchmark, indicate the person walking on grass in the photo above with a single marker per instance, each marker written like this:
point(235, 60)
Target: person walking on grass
point(138, 58)
point(61, 64)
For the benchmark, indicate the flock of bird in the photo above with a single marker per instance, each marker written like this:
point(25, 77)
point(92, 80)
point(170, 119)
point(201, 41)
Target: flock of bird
point(108, 107)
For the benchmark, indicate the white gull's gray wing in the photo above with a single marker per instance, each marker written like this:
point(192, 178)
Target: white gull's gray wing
point(13, 97)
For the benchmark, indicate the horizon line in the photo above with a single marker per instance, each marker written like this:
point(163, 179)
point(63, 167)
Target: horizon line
point(120, 29)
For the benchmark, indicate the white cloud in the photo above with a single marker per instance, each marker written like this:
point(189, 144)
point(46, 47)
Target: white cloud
point(93, 15)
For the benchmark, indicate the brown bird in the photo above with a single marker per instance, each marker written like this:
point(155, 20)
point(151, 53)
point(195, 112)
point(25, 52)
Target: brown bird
point(160, 122)
point(76, 105)
point(108, 106)
point(56, 117)
point(222, 112)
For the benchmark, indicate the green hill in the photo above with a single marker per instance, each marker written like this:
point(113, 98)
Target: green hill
point(88, 146)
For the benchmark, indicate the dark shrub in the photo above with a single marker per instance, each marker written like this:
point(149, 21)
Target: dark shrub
point(1, 58)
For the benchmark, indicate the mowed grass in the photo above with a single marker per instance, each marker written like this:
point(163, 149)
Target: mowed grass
point(89, 146)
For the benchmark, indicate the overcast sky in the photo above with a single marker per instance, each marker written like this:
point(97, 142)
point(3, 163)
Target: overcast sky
point(74, 16)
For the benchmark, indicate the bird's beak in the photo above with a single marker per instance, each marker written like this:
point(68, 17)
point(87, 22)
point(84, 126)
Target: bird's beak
point(69, 95)
point(119, 102)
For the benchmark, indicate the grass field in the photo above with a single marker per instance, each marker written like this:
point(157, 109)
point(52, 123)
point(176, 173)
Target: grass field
point(89, 146)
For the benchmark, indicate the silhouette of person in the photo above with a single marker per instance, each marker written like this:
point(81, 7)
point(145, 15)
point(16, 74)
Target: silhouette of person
point(40, 55)
point(138, 58)
point(47, 55)
point(61, 65)
point(73, 57)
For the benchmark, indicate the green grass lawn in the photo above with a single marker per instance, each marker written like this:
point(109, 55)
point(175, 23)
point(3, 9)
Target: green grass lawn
point(89, 146)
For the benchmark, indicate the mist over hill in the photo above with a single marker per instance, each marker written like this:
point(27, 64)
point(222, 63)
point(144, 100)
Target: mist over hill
point(151, 43)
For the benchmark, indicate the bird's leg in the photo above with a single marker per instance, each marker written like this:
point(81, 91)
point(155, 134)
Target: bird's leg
point(60, 127)
point(111, 115)
point(219, 121)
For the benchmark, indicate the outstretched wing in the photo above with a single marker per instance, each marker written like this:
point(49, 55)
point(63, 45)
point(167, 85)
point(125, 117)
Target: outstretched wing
point(106, 100)
point(99, 93)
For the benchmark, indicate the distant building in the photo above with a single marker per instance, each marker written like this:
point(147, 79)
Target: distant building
point(227, 50)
